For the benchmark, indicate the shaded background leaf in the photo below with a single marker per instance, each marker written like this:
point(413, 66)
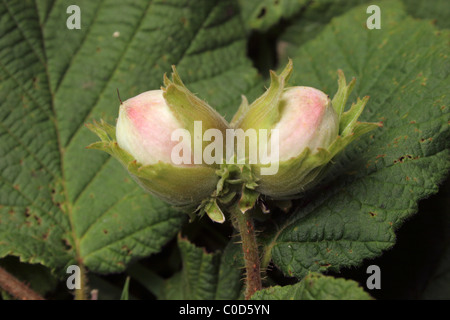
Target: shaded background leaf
point(205, 276)
point(315, 287)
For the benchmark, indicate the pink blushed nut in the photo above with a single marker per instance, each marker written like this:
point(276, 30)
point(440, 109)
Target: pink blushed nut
point(154, 139)
point(293, 133)
point(145, 126)
point(307, 121)
point(307, 130)
point(147, 143)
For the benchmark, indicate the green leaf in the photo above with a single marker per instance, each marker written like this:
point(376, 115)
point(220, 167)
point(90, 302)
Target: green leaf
point(315, 287)
point(375, 184)
point(60, 203)
point(261, 15)
point(205, 276)
point(125, 290)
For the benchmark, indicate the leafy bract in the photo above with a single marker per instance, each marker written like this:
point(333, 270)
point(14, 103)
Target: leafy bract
point(61, 204)
point(375, 184)
point(315, 287)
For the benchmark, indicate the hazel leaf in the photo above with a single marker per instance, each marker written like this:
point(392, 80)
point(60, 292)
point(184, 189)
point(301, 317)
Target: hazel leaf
point(61, 203)
point(375, 184)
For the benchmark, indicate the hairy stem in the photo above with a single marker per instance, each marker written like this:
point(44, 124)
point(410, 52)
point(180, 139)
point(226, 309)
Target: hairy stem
point(82, 293)
point(16, 288)
point(244, 224)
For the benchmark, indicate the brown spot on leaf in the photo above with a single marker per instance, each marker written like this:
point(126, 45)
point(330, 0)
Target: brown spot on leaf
point(184, 21)
point(88, 85)
point(38, 219)
point(128, 250)
point(36, 83)
point(66, 244)
point(402, 158)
